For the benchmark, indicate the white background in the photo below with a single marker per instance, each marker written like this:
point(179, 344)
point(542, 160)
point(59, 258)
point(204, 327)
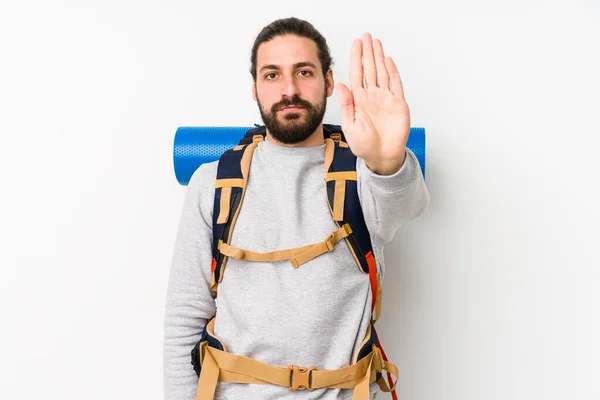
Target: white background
point(492, 294)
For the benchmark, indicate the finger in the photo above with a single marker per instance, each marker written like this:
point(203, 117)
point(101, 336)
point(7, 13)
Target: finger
point(356, 70)
point(383, 79)
point(346, 100)
point(369, 61)
point(396, 83)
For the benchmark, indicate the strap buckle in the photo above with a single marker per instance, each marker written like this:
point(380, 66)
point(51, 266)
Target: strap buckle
point(300, 378)
point(334, 237)
point(347, 228)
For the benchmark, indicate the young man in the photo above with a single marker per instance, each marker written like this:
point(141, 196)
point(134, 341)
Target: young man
point(319, 313)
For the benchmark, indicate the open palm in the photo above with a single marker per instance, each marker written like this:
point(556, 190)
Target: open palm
point(375, 116)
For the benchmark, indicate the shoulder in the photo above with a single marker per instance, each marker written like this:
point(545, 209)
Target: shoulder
point(201, 188)
point(204, 177)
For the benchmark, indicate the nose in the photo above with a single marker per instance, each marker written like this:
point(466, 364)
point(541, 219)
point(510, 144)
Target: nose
point(290, 87)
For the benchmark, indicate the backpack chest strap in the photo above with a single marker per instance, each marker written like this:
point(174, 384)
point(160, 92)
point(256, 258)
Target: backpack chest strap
point(297, 256)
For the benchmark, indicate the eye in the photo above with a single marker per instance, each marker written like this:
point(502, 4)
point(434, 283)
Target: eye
point(306, 72)
point(270, 75)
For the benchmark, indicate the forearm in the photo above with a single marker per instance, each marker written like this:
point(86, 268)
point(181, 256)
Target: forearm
point(389, 201)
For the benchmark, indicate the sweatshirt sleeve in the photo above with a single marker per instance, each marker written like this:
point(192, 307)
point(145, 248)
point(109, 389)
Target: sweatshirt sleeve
point(389, 201)
point(189, 303)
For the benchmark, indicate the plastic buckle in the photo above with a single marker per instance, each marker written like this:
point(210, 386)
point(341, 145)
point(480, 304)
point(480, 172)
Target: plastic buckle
point(347, 228)
point(335, 136)
point(300, 378)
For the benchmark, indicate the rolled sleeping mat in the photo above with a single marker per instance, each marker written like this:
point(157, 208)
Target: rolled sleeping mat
point(197, 145)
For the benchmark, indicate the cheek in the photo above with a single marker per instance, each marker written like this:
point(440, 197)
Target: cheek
point(316, 92)
point(265, 97)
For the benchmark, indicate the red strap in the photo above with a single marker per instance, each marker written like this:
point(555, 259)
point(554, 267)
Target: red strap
point(373, 278)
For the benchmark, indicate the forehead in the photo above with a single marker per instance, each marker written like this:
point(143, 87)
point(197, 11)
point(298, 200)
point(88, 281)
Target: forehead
point(287, 50)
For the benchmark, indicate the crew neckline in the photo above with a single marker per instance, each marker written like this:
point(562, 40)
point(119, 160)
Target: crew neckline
point(272, 148)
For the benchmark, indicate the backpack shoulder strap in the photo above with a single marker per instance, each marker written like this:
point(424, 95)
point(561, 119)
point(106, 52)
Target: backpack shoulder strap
point(344, 204)
point(232, 176)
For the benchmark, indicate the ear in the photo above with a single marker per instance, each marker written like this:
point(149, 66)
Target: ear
point(329, 83)
point(254, 89)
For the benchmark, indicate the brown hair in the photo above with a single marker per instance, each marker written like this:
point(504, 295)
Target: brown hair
point(292, 26)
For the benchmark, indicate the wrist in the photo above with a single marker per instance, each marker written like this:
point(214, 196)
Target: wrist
point(387, 167)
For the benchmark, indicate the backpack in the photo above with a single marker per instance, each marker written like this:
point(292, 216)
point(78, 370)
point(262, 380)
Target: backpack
point(210, 358)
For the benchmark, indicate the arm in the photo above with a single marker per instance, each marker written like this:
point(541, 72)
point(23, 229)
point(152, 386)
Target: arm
point(376, 124)
point(389, 201)
point(189, 303)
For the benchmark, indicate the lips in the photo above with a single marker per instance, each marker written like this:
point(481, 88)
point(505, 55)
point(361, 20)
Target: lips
point(291, 108)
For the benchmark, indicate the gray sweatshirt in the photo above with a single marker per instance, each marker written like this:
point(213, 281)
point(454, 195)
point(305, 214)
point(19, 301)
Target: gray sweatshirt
point(315, 315)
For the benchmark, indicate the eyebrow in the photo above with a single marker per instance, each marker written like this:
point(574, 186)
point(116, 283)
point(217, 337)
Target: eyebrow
point(296, 66)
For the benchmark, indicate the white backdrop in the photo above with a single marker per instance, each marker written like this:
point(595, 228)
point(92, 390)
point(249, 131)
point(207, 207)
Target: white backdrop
point(492, 294)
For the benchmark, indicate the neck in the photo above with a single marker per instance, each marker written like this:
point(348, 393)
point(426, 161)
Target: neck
point(316, 139)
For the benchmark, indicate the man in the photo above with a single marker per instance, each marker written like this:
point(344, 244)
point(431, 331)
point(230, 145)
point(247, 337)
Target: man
point(317, 314)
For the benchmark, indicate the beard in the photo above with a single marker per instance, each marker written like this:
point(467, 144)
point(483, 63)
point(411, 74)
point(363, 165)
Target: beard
point(293, 127)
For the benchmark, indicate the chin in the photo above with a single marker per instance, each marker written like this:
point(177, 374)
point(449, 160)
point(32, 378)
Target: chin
point(292, 117)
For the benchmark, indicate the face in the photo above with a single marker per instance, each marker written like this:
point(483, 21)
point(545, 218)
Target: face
point(290, 89)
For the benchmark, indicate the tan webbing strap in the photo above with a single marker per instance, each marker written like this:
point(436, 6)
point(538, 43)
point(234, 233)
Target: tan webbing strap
point(344, 175)
point(297, 256)
point(329, 150)
point(321, 248)
point(219, 183)
point(338, 200)
point(207, 382)
point(241, 254)
point(218, 365)
point(224, 205)
point(340, 179)
point(249, 370)
point(361, 391)
point(392, 369)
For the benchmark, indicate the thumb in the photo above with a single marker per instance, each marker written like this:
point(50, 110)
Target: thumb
point(346, 100)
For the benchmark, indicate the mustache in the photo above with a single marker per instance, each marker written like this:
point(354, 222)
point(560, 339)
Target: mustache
point(294, 101)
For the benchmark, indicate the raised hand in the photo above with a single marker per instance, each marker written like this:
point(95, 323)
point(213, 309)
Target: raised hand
point(375, 116)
